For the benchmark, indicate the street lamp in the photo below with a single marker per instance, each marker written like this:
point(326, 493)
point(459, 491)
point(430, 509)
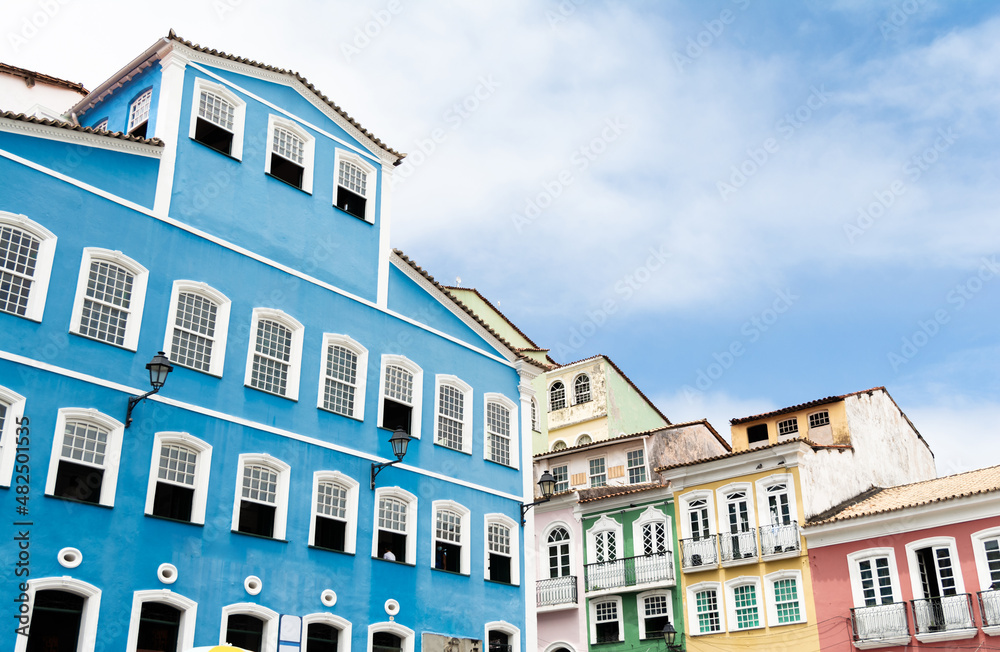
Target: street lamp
point(670, 636)
point(547, 484)
point(158, 368)
point(400, 440)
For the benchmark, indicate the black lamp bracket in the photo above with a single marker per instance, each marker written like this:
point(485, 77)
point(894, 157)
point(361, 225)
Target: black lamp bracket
point(377, 468)
point(135, 400)
point(526, 506)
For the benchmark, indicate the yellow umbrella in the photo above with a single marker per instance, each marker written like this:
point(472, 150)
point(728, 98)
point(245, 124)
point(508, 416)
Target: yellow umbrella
point(217, 648)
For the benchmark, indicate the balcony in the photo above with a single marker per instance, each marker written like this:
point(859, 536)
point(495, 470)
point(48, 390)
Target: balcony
point(739, 547)
point(989, 611)
point(630, 571)
point(881, 625)
point(556, 590)
point(780, 539)
point(699, 554)
point(946, 618)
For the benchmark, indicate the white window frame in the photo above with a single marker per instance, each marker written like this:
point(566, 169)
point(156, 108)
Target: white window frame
point(933, 542)
point(132, 124)
point(817, 412)
point(281, 498)
point(515, 546)
point(515, 449)
point(371, 181)
point(771, 603)
point(618, 610)
point(418, 389)
point(762, 485)
point(685, 501)
point(112, 453)
point(187, 607)
point(8, 434)
point(442, 380)
point(411, 521)
point(342, 624)
point(308, 148)
point(590, 475)
point(294, 358)
point(43, 264)
point(465, 516)
point(556, 442)
point(512, 632)
point(569, 481)
point(535, 425)
point(103, 125)
point(723, 504)
point(360, 377)
point(140, 277)
point(590, 389)
point(203, 465)
point(352, 486)
point(223, 308)
point(787, 435)
point(87, 639)
point(579, 439)
point(549, 395)
point(404, 633)
point(605, 524)
point(979, 540)
point(640, 605)
point(545, 553)
point(694, 629)
point(644, 467)
point(651, 515)
point(730, 587)
point(269, 616)
point(854, 571)
point(239, 113)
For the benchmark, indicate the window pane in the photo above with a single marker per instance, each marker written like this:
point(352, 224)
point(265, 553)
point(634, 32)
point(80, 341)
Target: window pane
point(177, 464)
point(450, 410)
point(557, 396)
point(449, 526)
point(341, 377)
point(708, 611)
point(288, 145)
point(139, 111)
point(273, 352)
point(331, 500)
point(498, 428)
point(399, 384)
point(499, 538)
point(819, 419)
point(106, 306)
point(85, 442)
point(582, 389)
point(216, 110)
point(18, 257)
point(392, 514)
point(194, 330)
point(745, 598)
point(636, 466)
point(786, 601)
point(260, 484)
point(352, 177)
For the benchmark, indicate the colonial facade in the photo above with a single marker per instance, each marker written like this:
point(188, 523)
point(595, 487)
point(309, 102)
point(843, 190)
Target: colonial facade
point(230, 215)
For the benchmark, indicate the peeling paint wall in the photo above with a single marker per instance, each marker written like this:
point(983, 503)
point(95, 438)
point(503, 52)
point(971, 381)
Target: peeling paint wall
point(685, 444)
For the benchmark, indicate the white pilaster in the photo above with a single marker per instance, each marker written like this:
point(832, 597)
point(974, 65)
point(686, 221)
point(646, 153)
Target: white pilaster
point(168, 118)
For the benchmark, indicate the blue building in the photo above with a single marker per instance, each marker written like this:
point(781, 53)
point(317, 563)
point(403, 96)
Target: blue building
point(230, 215)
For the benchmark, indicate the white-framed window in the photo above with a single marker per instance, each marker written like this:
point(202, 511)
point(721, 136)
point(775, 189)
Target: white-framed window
point(333, 524)
point(776, 500)
point(745, 603)
point(110, 294)
point(343, 375)
point(160, 615)
point(819, 419)
point(636, 462)
point(736, 507)
point(604, 545)
point(557, 396)
point(453, 413)
point(597, 472)
point(290, 153)
point(389, 637)
point(102, 125)
point(197, 327)
point(502, 558)
point(696, 513)
point(355, 185)
point(261, 503)
point(705, 608)
point(501, 430)
point(561, 475)
point(558, 543)
point(581, 389)
point(63, 611)
point(323, 631)
point(138, 114)
point(788, 427)
point(275, 353)
point(934, 568)
point(583, 440)
point(786, 603)
point(27, 250)
point(874, 577)
point(655, 609)
point(249, 626)
point(502, 636)
point(395, 537)
point(11, 412)
point(534, 414)
point(86, 453)
point(178, 477)
point(558, 445)
point(451, 531)
point(651, 534)
point(986, 548)
point(400, 394)
point(606, 620)
point(218, 118)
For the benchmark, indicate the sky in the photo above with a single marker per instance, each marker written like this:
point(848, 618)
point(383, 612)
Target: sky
point(746, 205)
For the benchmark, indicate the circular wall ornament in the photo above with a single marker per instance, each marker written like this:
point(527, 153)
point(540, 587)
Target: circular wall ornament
point(328, 597)
point(70, 557)
point(167, 573)
point(391, 607)
point(252, 584)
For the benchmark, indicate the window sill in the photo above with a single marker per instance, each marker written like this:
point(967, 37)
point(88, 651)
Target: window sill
point(217, 151)
point(78, 501)
point(174, 520)
point(609, 642)
point(259, 536)
point(795, 622)
point(300, 189)
point(339, 552)
point(445, 570)
point(362, 219)
point(393, 561)
point(264, 391)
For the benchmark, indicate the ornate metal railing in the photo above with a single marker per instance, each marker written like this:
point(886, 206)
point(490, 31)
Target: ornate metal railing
point(989, 607)
point(778, 539)
point(699, 553)
point(556, 590)
point(630, 571)
point(942, 614)
point(739, 546)
point(879, 622)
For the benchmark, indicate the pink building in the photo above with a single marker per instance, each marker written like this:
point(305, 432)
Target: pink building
point(910, 567)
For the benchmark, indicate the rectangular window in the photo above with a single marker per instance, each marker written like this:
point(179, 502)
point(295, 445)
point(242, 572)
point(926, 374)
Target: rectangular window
point(698, 518)
point(657, 615)
point(138, 114)
point(451, 406)
point(260, 497)
point(340, 380)
point(331, 516)
point(175, 482)
point(786, 601)
point(606, 620)
point(352, 189)
point(707, 604)
point(272, 354)
point(392, 529)
point(561, 475)
point(499, 550)
point(598, 473)
point(757, 434)
point(636, 466)
point(194, 332)
point(106, 304)
point(398, 401)
point(788, 427)
point(498, 431)
point(745, 601)
point(992, 557)
point(819, 419)
point(448, 541)
point(876, 583)
point(80, 474)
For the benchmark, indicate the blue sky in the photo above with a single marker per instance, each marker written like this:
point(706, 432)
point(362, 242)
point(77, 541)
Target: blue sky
point(746, 205)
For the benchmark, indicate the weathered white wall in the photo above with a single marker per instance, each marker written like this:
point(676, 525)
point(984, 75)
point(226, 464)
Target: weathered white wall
point(17, 97)
point(596, 407)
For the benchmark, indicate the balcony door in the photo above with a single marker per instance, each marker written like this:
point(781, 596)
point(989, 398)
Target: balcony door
point(608, 570)
point(943, 607)
point(558, 553)
point(652, 565)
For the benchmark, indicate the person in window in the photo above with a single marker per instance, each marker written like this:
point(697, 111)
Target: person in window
point(387, 554)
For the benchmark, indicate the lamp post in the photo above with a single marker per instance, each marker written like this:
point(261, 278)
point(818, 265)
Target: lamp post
point(158, 368)
point(400, 440)
point(547, 484)
point(670, 637)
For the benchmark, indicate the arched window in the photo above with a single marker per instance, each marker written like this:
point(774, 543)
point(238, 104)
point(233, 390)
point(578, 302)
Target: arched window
point(559, 542)
point(559, 445)
point(161, 620)
point(11, 412)
point(85, 456)
point(275, 353)
point(178, 478)
point(583, 440)
point(501, 636)
point(249, 626)
point(290, 153)
point(389, 637)
point(63, 616)
point(26, 253)
point(451, 536)
point(110, 293)
point(355, 186)
point(343, 373)
point(401, 393)
point(324, 632)
point(218, 118)
point(197, 327)
point(334, 514)
point(557, 396)
point(138, 114)
point(498, 432)
point(581, 389)
point(261, 496)
point(395, 525)
point(502, 546)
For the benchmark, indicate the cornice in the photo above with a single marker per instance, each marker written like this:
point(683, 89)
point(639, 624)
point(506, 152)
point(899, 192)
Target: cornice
point(51, 132)
point(735, 466)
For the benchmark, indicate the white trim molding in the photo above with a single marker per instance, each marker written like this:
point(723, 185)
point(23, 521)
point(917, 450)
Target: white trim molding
point(14, 404)
point(772, 606)
point(308, 148)
point(411, 521)
point(39, 288)
point(203, 465)
point(730, 588)
point(283, 471)
point(239, 113)
point(342, 155)
point(294, 363)
point(268, 616)
point(389, 359)
point(342, 624)
point(693, 626)
point(112, 453)
point(137, 297)
point(512, 632)
point(464, 532)
point(223, 306)
point(187, 607)
point(465, 392)
point(515, 545)
point(87, 639)
point(513, 433)
point(350, 486)
point(619, 616)
point(331, 340)
point(392, 627)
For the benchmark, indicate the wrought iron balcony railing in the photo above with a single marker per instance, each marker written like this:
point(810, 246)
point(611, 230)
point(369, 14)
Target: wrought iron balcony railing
point(946, 613)
point(989, 607)
point(699, 553)
point(779, 539)
point(884, 622)
point(630, 571)
point(556, 590)
point(739, 546)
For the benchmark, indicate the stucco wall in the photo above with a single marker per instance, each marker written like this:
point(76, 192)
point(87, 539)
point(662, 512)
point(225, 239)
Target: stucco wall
point(628, 411)
point(575, 413)
point(565, 625)
point(17, 97)
point(684, 444)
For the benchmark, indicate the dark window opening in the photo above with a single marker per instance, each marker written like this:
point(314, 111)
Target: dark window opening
point(211, 134)
point(159, 627)
point(256, 518)
point(322, 638)
point(172, 501)
point(396, 415)
point(386, 642)
point(757, 433)
point(499, 568)
point(55, 622)
point(139, 131)
point(351, 202)
point(330, 533)
point(499, 642)
point(655, 625)
point(245, 632)
point(448, 556)
point(290, 173)
point(79, 482)
point(393, 542)
point(607, 632)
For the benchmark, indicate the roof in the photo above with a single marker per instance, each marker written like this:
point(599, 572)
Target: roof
point(467, 310)
point(634, 435)
point(743, 452)
point(40, 77)
point(73, 127)
point(627, 379)
point(892, 499)
point(600, 493)
point(535, 347)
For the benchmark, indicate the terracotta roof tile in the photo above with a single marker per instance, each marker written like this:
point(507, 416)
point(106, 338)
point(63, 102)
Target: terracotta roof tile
point(37, 76)
point(610, 440)
point(73, 127)
point(592, 494)
point(743, 452)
